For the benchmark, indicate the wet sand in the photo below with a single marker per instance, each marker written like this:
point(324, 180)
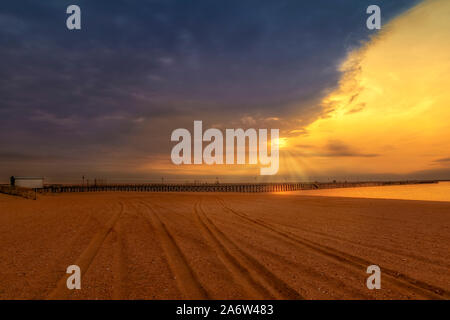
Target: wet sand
point(222, 246)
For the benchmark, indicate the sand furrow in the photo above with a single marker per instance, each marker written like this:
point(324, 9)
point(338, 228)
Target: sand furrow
point(427, 260)
point(418, 286)
point(119, 264)
point(434, 261)
point(87, 256)
point(258, 272)
point(185, 277)
point(241, 275)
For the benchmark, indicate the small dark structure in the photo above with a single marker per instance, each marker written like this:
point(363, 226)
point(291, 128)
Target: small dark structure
point(12, 180)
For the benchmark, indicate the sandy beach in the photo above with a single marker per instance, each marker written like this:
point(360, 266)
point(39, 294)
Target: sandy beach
point(222, 246)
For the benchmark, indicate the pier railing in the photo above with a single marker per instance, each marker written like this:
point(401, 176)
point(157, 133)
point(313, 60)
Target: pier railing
point(226, 187)
point(18, 191)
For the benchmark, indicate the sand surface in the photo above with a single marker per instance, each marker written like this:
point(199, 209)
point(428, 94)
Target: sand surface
point(222, 246)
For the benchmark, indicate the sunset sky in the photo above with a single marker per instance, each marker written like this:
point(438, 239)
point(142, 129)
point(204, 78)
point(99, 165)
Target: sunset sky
point(350, 103)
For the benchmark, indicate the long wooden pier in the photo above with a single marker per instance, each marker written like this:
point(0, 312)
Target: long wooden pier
point(226, 187)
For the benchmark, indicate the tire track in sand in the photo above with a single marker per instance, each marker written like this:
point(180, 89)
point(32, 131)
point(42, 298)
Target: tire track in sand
point(118, 264)
point(87, 256)
point(185, 277)
point(59, 260)
point(397, 278)
point(362, 246)
point(256, 279)
point(401, 255)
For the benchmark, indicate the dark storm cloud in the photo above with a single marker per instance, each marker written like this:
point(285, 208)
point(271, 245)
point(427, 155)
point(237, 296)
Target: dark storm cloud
point(139, 69)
